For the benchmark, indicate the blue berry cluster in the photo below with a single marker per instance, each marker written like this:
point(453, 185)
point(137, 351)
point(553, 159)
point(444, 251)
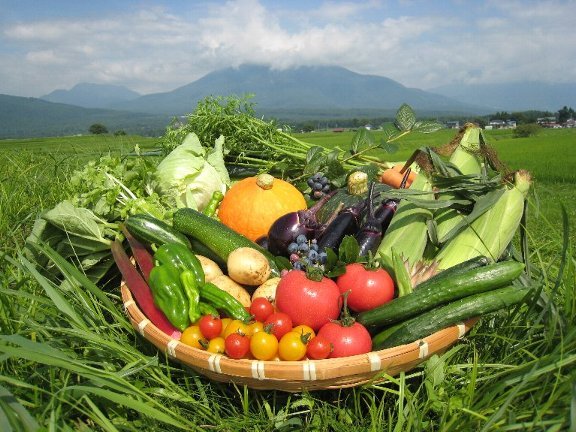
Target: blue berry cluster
point(304, 253)
point(319, 184)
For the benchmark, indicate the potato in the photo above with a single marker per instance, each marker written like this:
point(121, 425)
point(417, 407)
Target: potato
point(248, 266)
point(234, 289)
point(267, 289)
point(211, 269)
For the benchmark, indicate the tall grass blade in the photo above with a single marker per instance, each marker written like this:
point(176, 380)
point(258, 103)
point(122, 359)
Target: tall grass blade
point(13, 415)
point(55, 295)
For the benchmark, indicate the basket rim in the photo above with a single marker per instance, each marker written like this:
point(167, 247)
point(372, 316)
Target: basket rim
point(301, 374)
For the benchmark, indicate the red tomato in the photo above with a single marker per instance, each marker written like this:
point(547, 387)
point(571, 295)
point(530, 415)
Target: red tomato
point(236, 345)
point(261, 308)
point(366, 288)
point(279, 323)
point(318, 348)
point(346, 340)
point(306, 301)
point(210, 326)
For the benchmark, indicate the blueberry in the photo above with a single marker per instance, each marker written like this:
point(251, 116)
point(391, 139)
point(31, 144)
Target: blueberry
point(303, 247)
point(301, 239)
point(313, 255)
point(292, 247)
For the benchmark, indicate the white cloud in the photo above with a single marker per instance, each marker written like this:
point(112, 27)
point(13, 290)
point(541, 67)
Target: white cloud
point(154, 49)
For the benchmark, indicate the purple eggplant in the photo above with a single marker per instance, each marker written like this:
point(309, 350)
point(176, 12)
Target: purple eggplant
point(374, 227)
point(287, 228)
point(346, 222)
point(372, 230)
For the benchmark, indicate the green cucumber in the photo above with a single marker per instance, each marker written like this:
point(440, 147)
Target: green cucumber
point(150, 230)
point(216, 236)
point(435, 292)
point(450, 314)
point(448, 274)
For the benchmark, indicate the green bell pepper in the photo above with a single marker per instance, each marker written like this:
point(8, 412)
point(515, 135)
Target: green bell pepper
point(180, 257)
point(188, 279)
point(169, 296)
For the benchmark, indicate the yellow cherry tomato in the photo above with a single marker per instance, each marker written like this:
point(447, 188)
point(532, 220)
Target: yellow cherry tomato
point(263, 345)
point(216, 345)
point(236, 326)
point(225, 322)
point(304, 330)
point(255, 327)
point(192, 336)
point(292, 347)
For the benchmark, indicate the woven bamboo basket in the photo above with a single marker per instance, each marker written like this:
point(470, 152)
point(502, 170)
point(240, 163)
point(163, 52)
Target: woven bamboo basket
point(295, 376)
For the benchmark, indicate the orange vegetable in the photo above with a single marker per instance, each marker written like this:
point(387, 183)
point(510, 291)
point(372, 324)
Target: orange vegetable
point(393, 177)
point(252, 205)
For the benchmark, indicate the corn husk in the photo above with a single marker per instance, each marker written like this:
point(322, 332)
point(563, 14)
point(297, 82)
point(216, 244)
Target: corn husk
point(491, 233)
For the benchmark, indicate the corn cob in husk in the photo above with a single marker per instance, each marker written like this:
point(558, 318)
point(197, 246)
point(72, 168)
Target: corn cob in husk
point(491, 233)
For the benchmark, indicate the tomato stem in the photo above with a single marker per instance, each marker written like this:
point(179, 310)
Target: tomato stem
point(346, 320)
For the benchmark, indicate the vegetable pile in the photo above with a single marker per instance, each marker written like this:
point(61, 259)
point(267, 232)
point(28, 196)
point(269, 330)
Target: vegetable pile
point(311, 254)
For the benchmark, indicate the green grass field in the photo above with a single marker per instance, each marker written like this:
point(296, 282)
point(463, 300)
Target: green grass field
point(71, 361)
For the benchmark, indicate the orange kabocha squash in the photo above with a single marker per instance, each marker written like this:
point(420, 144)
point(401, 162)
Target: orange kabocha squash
point(252, 205)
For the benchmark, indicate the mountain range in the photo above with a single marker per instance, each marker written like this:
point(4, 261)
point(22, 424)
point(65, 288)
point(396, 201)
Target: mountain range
point(89, 95)
point(298, 94)
point(511, 97)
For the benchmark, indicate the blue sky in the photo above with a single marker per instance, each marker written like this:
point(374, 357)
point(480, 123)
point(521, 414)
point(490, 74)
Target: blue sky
point(153, 46)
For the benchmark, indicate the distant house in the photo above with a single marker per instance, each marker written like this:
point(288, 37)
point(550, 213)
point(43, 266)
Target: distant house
point(452, 124)
point(338, 130)
point(501, 124)
point(548, 122)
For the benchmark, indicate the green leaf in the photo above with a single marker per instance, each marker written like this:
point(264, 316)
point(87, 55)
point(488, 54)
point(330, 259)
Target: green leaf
point(81, 222)
point(349, 250)
point(427, 126)
point(389, 131)
point(387, 146)
point(55, 295)
point(405, 118)
point(361, 138)
point(15, 416)
point(401, 275)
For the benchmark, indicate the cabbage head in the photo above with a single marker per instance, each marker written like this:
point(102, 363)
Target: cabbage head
point(191, 173)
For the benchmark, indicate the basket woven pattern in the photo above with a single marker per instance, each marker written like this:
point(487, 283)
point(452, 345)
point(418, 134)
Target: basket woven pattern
point(293, 376)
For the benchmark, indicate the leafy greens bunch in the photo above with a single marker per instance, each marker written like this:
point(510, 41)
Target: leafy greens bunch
point(106, 191)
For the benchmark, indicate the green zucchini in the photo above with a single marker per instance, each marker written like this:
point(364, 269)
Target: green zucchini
point(450, 314)
point(150, 230)
point(216, 236)
point(437, 291)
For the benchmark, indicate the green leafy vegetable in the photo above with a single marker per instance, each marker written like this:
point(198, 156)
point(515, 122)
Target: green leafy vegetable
point(190, 174)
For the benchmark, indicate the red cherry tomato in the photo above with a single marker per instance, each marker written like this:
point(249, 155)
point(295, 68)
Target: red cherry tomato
point(346, 340)
point(307, 301)
point(261, 308)
point(236, 345)
point(366, 288)
point(280, 324)
point(210, 326)
point(318, 348)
